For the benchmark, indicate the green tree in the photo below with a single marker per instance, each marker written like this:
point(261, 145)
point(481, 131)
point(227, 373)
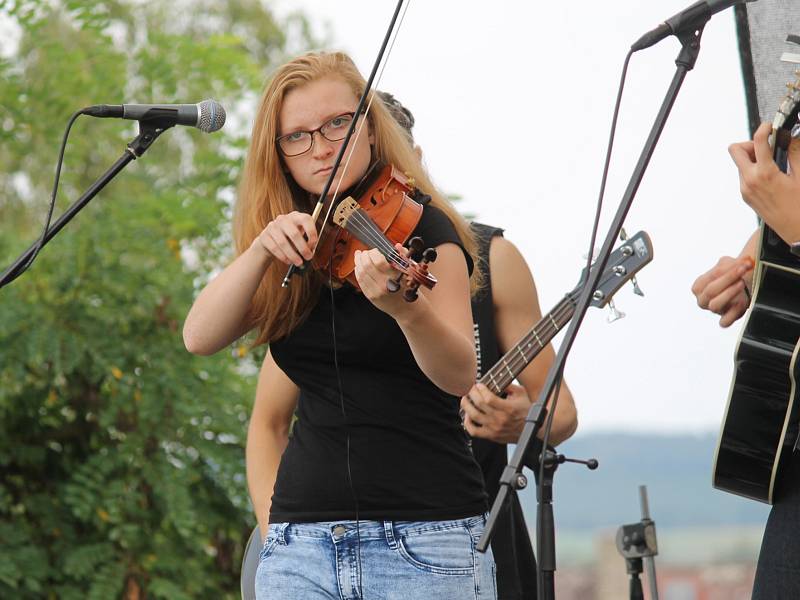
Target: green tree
point(121, 455)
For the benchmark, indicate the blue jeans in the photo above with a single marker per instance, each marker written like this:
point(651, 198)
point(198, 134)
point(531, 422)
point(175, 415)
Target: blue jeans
point(398, 560)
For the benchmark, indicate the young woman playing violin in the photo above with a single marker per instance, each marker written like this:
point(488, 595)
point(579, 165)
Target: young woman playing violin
point(377, 494)
point(503, 310)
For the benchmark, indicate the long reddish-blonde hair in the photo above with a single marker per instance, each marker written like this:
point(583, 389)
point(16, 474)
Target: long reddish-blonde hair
point(267, 191)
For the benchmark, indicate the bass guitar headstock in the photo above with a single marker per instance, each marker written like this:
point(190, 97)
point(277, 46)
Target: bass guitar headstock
point(623, 264)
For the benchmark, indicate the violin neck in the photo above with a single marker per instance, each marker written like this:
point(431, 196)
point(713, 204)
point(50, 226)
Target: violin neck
point(513, 362)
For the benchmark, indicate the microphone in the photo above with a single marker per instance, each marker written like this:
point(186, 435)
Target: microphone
point(689, 18)
point(207, 116)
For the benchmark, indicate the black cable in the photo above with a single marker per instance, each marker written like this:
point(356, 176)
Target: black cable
point(554, 397)
point(39, 245)
point(344, 420)
point(608, 161)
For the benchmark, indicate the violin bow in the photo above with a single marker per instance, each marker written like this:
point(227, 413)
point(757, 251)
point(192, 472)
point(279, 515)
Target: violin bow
point(294, 270)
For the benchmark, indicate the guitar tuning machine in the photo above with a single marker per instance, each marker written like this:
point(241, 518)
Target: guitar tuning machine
point(615, 314)
point(595, 250)
point(636, 289)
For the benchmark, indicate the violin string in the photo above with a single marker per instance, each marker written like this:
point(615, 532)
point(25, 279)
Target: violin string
point(391, 256)
point(367, 236)
point(370, 234)
point(363, 225)
point(366, 111)
point(367, 227)
point(373, 236)
point(367, 231)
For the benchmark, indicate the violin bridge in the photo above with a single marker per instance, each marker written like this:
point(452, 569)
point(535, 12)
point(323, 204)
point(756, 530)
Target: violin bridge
point(344, 211)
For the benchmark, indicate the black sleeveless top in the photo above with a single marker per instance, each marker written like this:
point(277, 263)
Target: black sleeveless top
point(400, 436)
point(511, 544)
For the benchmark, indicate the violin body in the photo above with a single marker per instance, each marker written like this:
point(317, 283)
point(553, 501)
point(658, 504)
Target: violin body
point(386, 196)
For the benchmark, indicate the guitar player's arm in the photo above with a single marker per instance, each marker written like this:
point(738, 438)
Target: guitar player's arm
point(725, 288)
point(267, 435)
point(775, 196)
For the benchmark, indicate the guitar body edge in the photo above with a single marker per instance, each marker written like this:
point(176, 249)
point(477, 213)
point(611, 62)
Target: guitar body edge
point(761, 402)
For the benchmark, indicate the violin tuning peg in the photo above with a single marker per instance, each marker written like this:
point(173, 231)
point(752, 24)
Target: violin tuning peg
point(393, 285)
point(429, 255)
point(614, 314)
point(415, 247)
point(411, 294)
point(636, 289)
point(419, 197)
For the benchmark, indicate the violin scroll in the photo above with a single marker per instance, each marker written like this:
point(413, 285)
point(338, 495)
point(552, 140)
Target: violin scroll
point(415, 272)
point(420, 272)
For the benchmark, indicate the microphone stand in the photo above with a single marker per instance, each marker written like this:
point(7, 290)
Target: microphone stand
point(510, 479)
point(148, 132)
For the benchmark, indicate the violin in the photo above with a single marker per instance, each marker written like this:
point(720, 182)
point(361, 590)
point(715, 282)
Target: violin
point(385, 212)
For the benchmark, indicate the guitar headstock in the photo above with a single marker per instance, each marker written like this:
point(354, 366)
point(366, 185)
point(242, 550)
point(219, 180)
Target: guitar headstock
point(785, 123)
point(623, 264)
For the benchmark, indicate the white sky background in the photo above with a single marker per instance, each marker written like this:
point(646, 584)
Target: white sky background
point(513, 105)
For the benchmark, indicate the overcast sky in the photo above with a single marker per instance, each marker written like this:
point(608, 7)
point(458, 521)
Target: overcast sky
point(513, 105)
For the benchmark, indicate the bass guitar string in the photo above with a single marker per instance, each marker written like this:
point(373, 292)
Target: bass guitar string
point(513, 361)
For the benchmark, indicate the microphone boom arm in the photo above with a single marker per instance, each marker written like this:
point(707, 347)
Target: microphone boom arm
point(148, 132)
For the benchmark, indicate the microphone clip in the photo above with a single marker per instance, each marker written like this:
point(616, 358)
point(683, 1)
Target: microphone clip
point(149, 131)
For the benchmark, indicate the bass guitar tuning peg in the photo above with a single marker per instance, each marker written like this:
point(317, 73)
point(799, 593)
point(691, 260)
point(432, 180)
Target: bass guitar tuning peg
point(595, 250)
point(636, 289)
point(614, 313)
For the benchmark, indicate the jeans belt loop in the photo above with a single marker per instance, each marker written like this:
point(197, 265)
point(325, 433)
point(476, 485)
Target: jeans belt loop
point(280, 533)
point(388, 528)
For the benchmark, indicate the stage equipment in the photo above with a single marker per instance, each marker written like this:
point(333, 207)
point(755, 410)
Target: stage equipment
point(685, 61)
point(762, 411)
point(208, 115)
point(688, 19)
point(155, 120)
point(638, 541)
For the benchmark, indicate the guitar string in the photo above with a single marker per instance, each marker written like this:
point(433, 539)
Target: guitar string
point(541, 333)
point(516, 363)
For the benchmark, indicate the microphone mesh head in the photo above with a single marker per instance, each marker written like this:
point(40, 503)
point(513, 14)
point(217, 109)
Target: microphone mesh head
point(212, 116)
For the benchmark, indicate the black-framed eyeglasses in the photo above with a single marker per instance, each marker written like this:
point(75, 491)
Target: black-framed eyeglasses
point(300, 142)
